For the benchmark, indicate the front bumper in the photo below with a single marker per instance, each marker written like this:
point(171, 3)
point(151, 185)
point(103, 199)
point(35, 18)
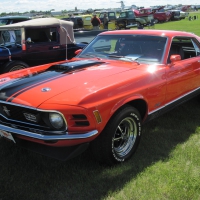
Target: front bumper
point(65, 136)
point(59, 152)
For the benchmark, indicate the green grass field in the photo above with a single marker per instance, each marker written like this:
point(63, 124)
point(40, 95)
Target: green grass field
point(182, 25)
point(166, 165)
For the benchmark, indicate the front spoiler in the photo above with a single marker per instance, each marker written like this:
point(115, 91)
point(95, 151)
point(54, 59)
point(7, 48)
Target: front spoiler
point(59, 153)
point(65, 136)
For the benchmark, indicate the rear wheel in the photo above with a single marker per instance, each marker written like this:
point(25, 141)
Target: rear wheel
point(120, 138)
point(138, 24)
point(156, 21)
point(13, 66)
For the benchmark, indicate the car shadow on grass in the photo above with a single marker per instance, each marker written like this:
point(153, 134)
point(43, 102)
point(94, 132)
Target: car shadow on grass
point(27, 175)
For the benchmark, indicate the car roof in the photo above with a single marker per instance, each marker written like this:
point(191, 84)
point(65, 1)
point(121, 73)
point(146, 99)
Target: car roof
point(166, 33)
point(45, 22)
point(15, 17)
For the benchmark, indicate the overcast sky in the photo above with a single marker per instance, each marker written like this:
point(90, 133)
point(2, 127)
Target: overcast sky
point(58, 5)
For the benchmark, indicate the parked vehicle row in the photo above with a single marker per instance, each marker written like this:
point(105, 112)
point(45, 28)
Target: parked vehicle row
point(129, 18)
point(147, 17)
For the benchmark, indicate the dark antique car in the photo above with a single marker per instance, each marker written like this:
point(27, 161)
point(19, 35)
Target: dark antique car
point(77, 20)
point(13, 19)
point(101, 98)
point(110, 14)
point(133, 18)
point(35, 42)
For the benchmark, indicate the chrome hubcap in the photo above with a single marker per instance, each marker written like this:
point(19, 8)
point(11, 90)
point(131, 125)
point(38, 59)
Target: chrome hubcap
point(124, 137)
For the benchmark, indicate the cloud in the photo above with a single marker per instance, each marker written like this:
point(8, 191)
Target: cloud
point(45, 5)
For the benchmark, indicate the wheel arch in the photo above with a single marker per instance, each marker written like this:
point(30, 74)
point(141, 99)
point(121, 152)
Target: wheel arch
point(137, 102)
point(7, 65)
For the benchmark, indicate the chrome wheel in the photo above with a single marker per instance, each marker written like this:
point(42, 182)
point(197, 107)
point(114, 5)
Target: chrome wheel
point(124, 137)
point(13, 66)
point(17, 67)
point(120, 138)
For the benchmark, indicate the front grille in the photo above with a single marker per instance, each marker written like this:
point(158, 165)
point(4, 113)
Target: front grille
point(80, 120)
point(27, 118)
point(23, 114)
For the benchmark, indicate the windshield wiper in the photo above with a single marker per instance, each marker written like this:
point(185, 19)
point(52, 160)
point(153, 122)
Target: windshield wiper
point(124, 58)
point(116, 56)
point(87, 55)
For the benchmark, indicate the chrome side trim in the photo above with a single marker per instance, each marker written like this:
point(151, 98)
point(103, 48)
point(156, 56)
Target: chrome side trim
point(167, 104)
point(66, 136)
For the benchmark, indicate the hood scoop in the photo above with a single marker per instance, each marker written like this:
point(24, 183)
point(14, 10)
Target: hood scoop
point(76, 65)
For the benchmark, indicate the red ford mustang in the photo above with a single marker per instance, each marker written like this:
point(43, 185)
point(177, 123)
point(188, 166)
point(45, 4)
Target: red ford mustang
point(102, 97)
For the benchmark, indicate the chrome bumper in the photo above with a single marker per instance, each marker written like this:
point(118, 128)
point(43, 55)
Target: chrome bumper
point(65, 136)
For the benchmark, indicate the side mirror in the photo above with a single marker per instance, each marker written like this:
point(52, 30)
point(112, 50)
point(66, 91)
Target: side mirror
point(175, 58)
point(29, 40)
point(78, 51)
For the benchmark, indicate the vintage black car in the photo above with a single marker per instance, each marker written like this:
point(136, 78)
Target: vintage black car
point(77, 20)
point(110, 14)
point(13, 19)
point(128, 19)
point(36, 42)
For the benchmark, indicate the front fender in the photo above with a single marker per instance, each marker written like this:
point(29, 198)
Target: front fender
point(132, 100)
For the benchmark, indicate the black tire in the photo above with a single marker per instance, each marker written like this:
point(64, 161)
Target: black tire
point(156, 21)
point(120, 138)
point(138, 24)
point(13, 66)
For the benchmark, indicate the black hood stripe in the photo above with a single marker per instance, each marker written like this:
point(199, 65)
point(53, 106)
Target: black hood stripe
point(14, 88)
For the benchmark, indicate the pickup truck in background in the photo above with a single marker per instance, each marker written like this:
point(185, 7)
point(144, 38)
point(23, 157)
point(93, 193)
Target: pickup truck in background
point(131, 18)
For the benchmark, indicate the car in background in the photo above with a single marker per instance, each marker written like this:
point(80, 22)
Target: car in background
point(134, 18)
point(160, 15)
point(126, 20)
point(183, 14)
point(77, 20)
point(36, 42)
point(175, 15)
point(13, 19)
point(110, 14)
point(101, 98)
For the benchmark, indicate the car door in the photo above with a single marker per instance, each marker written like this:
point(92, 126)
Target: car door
point(44, 46)
point(183, 76)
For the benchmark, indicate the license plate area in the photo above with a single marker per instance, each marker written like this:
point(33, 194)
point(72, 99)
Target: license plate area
point(7, 135)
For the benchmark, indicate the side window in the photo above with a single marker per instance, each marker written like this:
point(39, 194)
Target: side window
point(130, 14)
point(53, 35)
point(185, 47)
point(5, 35)
point(11, 36)
point(122, 15)
point(41, 35)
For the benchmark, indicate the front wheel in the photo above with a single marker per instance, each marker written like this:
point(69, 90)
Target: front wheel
point(120, 138)
point(13, 66)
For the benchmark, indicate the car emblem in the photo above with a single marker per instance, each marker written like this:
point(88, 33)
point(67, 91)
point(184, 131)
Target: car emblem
point(30, 117)
point(45, 89)
point(5, 109)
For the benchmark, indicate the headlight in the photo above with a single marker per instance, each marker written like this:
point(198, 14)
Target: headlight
point(56, 120)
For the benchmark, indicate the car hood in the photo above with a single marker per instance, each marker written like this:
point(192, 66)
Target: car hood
point(67, 83)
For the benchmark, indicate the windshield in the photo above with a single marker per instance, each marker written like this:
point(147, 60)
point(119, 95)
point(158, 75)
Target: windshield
point(140, 48)
point(3, 22)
